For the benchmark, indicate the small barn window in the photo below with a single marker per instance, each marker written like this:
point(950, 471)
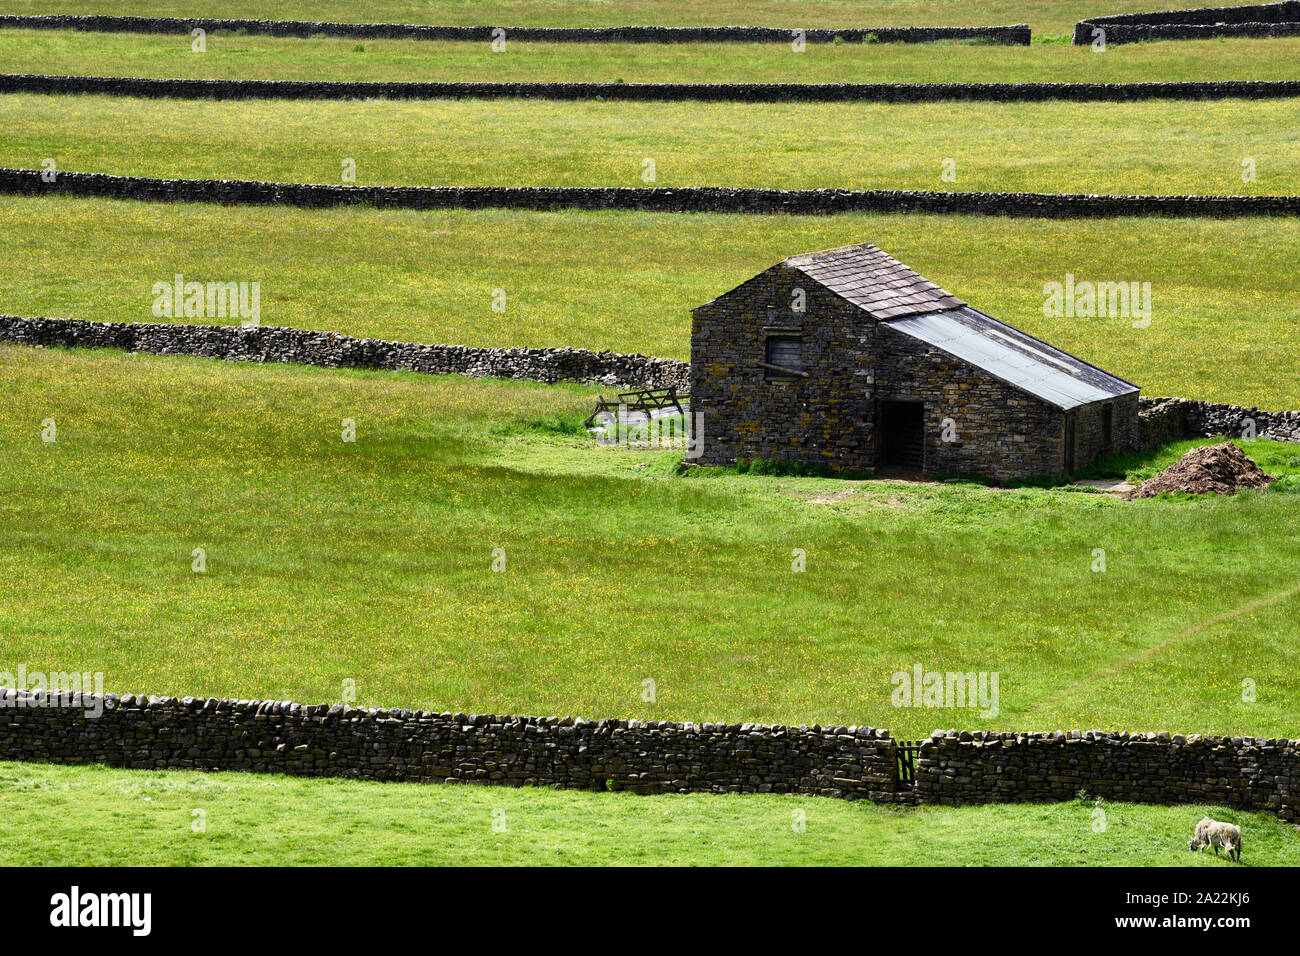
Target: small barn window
point(784, 353)
point(1108, 426)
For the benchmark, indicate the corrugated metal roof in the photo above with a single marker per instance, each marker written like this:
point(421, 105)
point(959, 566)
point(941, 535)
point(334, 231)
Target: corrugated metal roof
point(1014, 357)
point(874, 281)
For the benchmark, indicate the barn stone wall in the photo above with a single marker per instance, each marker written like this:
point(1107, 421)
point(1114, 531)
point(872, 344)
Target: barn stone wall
point(1090, 441)
point(752, 412)
point(851, 364)
point(999, 431)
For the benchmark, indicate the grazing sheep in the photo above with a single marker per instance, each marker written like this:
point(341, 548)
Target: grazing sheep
point(1213, 833)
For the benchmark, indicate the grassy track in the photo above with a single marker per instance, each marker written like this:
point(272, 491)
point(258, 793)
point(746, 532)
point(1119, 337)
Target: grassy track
point(230, 56)
point(370, 561)
point(1225, 309)
point(148, 818)
point(1053, 16)
point(1174, 147)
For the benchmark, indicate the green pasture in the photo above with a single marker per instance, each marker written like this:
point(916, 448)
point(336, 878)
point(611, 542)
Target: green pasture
point(150, 819)
point(195, 527)
point(1051, 16)
point(1126, 148)
point(237, 56)
point(1225, 311)
point(329, 561)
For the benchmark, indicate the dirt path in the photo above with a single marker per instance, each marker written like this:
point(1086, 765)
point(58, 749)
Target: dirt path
point(1160, 648)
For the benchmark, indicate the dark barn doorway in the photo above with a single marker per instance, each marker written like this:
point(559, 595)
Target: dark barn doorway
point(900, 433)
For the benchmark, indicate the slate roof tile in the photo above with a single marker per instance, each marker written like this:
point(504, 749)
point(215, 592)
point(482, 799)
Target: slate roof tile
point(874, 281)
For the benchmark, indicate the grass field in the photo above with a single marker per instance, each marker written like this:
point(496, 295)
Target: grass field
point(1162, 147)
point(148, 818)
point(370, 561)
point(232, 56)
point(333, 565)
point(1054, 16)
point(1225, 309)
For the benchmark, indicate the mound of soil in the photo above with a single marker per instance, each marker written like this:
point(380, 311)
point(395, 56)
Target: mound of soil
point(1219, 469)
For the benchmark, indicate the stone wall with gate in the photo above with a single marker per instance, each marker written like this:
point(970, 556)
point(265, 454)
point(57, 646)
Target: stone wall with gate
point(949, 768)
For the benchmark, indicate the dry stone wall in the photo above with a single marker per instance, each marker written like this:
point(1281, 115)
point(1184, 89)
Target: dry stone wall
point(953, 768)
point(1253, 773)
point(30, 182)
point(196, 733)
point(1017, 34)
point(1169, 419)
point(233, 89)
point(332, 350)
point(1202, 23)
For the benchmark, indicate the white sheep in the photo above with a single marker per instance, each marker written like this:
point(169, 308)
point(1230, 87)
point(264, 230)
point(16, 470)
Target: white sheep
point(1213, 833)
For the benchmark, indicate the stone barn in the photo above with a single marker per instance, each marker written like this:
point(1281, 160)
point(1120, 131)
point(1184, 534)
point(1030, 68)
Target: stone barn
point(850, 359)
